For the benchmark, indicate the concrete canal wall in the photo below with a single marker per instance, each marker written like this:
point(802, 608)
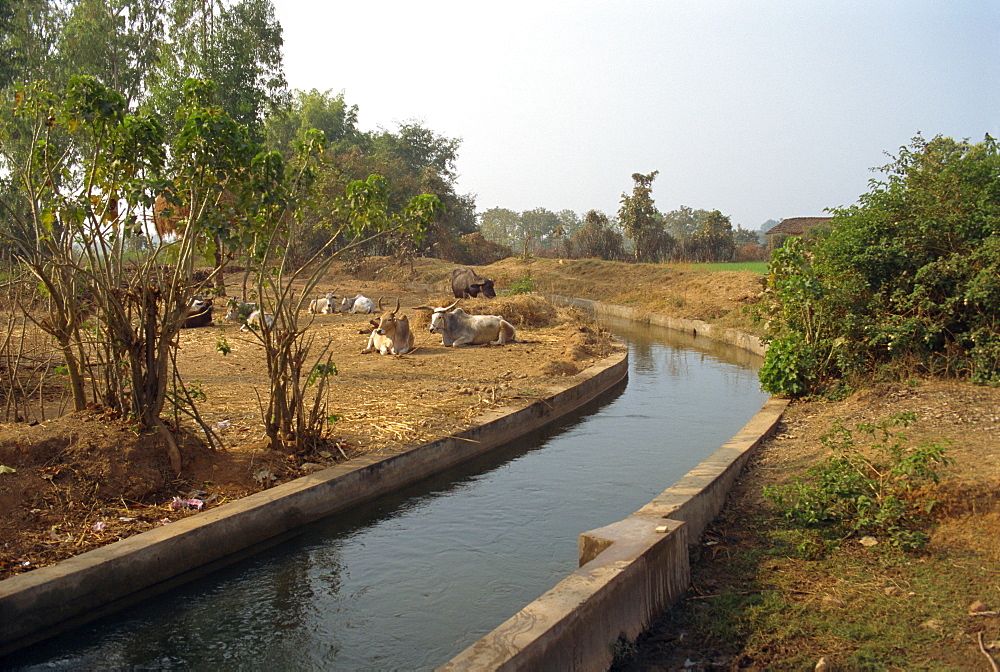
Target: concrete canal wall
point(44, 602)
point(630, 571)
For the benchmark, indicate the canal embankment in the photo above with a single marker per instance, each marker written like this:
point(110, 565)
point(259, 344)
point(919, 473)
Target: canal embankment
point(631, 570)
point(49, 600)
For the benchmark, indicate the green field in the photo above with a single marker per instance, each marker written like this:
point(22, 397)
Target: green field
point(759, 267)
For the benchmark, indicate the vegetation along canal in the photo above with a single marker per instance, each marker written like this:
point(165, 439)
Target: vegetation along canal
point(409, 581)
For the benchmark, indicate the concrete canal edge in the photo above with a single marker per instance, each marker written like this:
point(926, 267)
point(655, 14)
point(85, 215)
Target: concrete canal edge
point(42, 603)
point(630, 571)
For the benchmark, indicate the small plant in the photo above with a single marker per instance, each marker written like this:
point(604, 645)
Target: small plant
point(321, 371)
point(622, 651)
point(786, 369)
point(222, 345)
point(523, 285)
point(195, 391)
point(872, 492)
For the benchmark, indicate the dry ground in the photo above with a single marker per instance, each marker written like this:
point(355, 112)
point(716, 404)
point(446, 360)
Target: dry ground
point(756, 604)
point(85, 469)
point(87, 479)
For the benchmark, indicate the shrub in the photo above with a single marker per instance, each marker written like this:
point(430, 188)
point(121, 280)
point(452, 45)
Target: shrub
point(910, 275)
point(788, 366)
point(523, 285)
point(856, 492)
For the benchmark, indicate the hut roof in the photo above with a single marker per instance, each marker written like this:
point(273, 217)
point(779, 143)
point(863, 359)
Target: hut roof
point(796, 226)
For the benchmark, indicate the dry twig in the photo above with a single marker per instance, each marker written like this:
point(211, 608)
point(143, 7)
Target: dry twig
point(993, 663)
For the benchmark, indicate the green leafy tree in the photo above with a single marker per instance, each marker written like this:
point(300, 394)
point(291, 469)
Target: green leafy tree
point(642, 222)
point(420, 148)
point(684, 221)
point(569, 224)
point(293, 422)
point(114, 314)
point(117, 41)
point(748, 245)
point(414, 163)
point(599, 239)
point(9, 58)
point(238, 47)
point(317, 110)
point(502, 226)
point(244, 59)
point(714, 238)
point(802, 337)
point(906, 281)
point(538, 227)
point(211, 192)
point(29, 40)
point(683, 225)
point(456, 218)
point(743, 236)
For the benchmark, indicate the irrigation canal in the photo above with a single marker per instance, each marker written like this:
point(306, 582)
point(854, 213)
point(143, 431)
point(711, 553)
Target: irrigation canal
point(410, 580)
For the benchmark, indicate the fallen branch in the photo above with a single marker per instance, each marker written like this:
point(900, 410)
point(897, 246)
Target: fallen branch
point(993, 663)
point(461, 438)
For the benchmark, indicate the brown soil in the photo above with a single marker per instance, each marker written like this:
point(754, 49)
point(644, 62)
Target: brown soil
point(85, 468)
point(87, 479)
point(964, 419)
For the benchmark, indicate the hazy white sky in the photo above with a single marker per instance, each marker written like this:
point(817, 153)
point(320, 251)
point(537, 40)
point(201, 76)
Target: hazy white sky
point(763, 109)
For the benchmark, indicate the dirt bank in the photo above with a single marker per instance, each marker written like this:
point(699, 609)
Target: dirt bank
point(753, 604)
point(86, 479)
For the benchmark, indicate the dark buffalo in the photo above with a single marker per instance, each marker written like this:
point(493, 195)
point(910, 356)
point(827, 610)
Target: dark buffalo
point(466, 284)
point(199, 313)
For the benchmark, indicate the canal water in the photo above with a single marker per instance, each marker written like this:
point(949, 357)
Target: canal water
point(412, 579)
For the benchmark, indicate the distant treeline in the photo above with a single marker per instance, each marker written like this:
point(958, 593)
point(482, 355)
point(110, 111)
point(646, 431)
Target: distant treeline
point(639, 232)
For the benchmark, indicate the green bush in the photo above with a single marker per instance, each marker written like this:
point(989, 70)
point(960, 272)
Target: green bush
point(908, 280)
point(855, 492)
point(788, 366)
point(523, 285)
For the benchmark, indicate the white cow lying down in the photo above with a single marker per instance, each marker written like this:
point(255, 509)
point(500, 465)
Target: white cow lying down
point(257, 319)
point(359, 304)
point(324, 304)
point(457, 327)
point(239, 311)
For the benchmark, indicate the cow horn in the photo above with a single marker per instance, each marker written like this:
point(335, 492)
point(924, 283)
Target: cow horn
point(424, 308)
point(447, 308)
point(380, 303)
point(397, 306)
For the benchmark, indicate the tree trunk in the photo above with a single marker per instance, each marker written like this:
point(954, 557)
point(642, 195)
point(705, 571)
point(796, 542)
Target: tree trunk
point(220, 264)
point(75, 376)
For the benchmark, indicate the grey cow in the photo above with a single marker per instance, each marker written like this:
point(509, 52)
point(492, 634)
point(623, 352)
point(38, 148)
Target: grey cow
point(457, 327)
point(359, 304)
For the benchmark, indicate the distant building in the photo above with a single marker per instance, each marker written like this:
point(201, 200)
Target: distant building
point(793, 226)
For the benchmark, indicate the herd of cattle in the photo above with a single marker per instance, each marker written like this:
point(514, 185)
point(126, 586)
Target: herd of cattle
point(390, 333)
